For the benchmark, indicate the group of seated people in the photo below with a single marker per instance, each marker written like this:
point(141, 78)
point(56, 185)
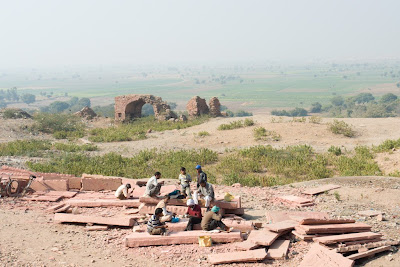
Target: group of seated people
point(156, 225)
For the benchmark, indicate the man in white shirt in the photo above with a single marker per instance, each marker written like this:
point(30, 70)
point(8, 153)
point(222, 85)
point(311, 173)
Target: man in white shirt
point(123, 191)
point(152, 186)
point(184, 181)
point(167, 216)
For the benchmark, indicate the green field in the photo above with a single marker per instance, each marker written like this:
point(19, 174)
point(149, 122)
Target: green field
point(257, 86)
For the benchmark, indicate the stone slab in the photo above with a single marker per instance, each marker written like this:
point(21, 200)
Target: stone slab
point(43, 198)
point(99, 183)
point(62, 209)
point(370, 213)
point(367, 246)
point(325, 221)
point(57, 185)
point(295, 199)
point(279, 216)
point(319, 256)
point(96, 228)
point(335, 228)
point(234, 257)
point(278, 250)
point(178, 210)
point(64, 194)
point(242, 226)
point(332, 239)
point(320, 189)
point(281, 226)
point(174, 238)
point(73, 218)
point(368, 253)
point(132, 203)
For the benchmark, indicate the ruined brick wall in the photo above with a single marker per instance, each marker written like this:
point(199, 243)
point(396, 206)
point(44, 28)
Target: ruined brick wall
point(197, 106)
point(130, 106)
point(215, 107)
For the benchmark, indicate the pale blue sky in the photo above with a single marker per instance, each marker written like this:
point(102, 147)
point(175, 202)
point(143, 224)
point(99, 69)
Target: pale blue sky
point(52, 32)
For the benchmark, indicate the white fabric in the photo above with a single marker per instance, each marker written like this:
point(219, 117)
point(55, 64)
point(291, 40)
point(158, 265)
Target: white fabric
point(152, 182)
point(195, 197)
point(122, 189)
point(208, 201)
point(190, 202)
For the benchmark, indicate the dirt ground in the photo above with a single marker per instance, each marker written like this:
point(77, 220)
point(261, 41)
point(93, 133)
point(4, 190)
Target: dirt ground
point(30, 238)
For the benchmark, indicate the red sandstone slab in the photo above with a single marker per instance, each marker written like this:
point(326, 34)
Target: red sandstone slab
point(64, 194)
point(278, 250)
point(368, 253)
point(321, 189)
point(134, 203)
point(96, 183)
point(246, 245)
point(325, 221)
point(57, 185)
point(319, 256)
point(55, 207)
point(239, 211)
point(335, 228)
point(63, 209)
point(43, 198)
point(182, 202)
point(38, 185)
point(281, 226)
point(295, 199)
point(278, 216)
point(173, 238)
point(243, 226)
point(243, 256)
point(73, 218)
point(96, 228)
point(332, 239)
point(304, 237)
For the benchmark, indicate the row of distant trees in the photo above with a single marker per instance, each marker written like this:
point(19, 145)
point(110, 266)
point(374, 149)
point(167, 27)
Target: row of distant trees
point(73, 105)
point(12, 95)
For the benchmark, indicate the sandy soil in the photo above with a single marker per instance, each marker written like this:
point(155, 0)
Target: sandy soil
point(30, 238)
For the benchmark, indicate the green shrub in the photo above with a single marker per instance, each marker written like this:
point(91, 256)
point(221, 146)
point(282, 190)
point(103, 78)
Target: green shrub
point(315, 119)
point(335, 150)
point(61, 125)
point(30, 148)
point(136, 130)
point(341, 127)
point(203, 133)
point(387, 145)
point(70, 147)
point(236, 124)
point(141, 165)
point(260, 133)
point(297, 112)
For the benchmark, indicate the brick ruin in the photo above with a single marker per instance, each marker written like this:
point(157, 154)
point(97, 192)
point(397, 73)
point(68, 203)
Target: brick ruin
point(128, 107)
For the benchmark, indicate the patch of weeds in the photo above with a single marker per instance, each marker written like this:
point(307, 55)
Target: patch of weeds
point(302, 119)
point(203, 133)
point(236, 124)
point(260, 133)
point(335, 150)
point(315, 119)
point(341, 127)
point(337, 195)
point(387, 145)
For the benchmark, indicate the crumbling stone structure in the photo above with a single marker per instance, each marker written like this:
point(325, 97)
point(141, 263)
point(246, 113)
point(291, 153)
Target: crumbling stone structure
point(87, 113)
point(197, 106)
point(128, 107)
point(215, 107)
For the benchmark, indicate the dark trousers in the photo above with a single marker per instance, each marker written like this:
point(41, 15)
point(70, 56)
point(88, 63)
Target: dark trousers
point(214, 224)
point(191, 222)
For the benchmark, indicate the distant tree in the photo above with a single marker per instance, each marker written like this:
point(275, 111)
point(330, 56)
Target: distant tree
point(84, 102)
point(386, 98)
point(28, 98)
point(172, 105)
point(223, 108)
point(147, 110)
point(3, 104)
point(58, 106)
point(337, 101)
point(398, 85)
point(316, 107)
point(73, 101)
point(364, 98)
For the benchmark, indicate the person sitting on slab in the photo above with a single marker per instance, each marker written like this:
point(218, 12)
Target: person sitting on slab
point(212, 220)
point(184, 181)
point(194, 214)
point(123, 191)
point(152, 186)
point(154, 226)
point(207, 191)
point(167, 216)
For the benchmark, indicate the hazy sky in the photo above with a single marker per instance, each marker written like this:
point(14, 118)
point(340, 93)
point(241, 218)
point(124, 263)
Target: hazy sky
point(48, 33)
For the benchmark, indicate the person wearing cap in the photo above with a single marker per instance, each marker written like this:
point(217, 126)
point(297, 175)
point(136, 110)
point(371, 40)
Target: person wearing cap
point(207, 191)
point(194, 214)
point(201, 176)
point(152, 186)
point(212, 220)
point(184, 181)
point(123, 191)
